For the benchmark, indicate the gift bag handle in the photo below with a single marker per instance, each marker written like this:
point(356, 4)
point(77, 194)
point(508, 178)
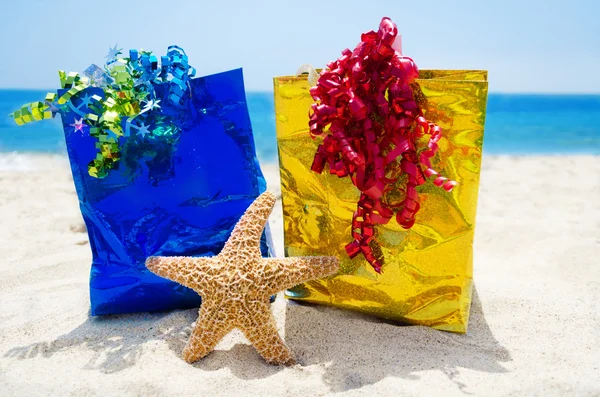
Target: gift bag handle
point(313, 75)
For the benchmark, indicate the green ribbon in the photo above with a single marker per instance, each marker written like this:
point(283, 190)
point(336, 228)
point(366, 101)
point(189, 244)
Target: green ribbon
point(126, 83)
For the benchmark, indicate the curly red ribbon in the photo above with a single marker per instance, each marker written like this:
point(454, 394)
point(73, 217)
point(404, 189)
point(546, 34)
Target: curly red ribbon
point(366, 100)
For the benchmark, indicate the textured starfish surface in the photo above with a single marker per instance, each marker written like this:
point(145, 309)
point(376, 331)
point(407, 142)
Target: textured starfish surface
point(236, 285)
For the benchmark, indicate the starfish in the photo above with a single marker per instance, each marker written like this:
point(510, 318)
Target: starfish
point(236, 285)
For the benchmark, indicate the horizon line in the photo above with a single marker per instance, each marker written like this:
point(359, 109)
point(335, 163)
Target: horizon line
point(567, 93)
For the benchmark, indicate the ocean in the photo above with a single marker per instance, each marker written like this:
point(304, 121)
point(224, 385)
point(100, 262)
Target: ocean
point(520, 124)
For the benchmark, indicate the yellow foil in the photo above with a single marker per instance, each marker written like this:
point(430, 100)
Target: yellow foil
point(428, 270)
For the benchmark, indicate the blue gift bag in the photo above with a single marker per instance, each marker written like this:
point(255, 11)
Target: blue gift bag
point(180, 196)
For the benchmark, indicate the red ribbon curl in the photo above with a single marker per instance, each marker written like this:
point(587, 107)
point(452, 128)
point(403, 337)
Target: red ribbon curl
point(366, 100)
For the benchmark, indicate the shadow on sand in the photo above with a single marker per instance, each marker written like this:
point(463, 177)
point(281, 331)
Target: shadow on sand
point(349, 345)
point(345, 343)
point(118, 342)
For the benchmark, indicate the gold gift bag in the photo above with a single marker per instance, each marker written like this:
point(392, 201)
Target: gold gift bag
point(428, 271)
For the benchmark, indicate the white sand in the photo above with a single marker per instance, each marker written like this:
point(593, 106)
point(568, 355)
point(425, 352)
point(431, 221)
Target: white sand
point(535, 326)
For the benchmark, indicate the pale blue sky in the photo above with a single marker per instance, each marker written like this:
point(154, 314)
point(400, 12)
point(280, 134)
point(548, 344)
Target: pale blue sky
point(527, 45)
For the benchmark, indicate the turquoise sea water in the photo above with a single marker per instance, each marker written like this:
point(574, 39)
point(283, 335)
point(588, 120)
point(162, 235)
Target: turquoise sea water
point(515, 124)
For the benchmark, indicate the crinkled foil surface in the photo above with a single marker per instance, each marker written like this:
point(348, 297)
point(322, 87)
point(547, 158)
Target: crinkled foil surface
point(168, 197)
point(428, 270)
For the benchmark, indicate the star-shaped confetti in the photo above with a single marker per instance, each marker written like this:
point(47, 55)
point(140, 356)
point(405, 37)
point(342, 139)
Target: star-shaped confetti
point(78, 125)
point(86, 101)
point(152, 104)
point(52, 107)
point(143, 130)
point(113, 52)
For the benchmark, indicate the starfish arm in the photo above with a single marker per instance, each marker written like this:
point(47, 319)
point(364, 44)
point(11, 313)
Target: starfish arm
point(282, 273)
point(187, 271)
point(259, 327)
point(212, 325)
point(245, 238)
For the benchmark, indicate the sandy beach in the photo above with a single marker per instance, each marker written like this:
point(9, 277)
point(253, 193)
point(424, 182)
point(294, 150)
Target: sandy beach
point(533, 331)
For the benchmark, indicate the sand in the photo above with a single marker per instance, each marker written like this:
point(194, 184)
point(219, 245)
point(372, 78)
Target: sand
point(534, 323)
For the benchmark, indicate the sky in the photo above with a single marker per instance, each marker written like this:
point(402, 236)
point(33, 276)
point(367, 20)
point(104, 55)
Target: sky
point(529, 46)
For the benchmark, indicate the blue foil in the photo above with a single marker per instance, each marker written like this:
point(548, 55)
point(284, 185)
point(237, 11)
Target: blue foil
point(173, 194)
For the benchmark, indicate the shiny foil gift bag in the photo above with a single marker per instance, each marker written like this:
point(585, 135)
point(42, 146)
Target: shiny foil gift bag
point(426, 277)
point(169, 178)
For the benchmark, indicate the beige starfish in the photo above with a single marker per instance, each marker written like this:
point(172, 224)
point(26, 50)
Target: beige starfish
point(236, 285)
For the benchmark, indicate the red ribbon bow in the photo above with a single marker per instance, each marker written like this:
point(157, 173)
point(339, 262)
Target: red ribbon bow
point(366, 100)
